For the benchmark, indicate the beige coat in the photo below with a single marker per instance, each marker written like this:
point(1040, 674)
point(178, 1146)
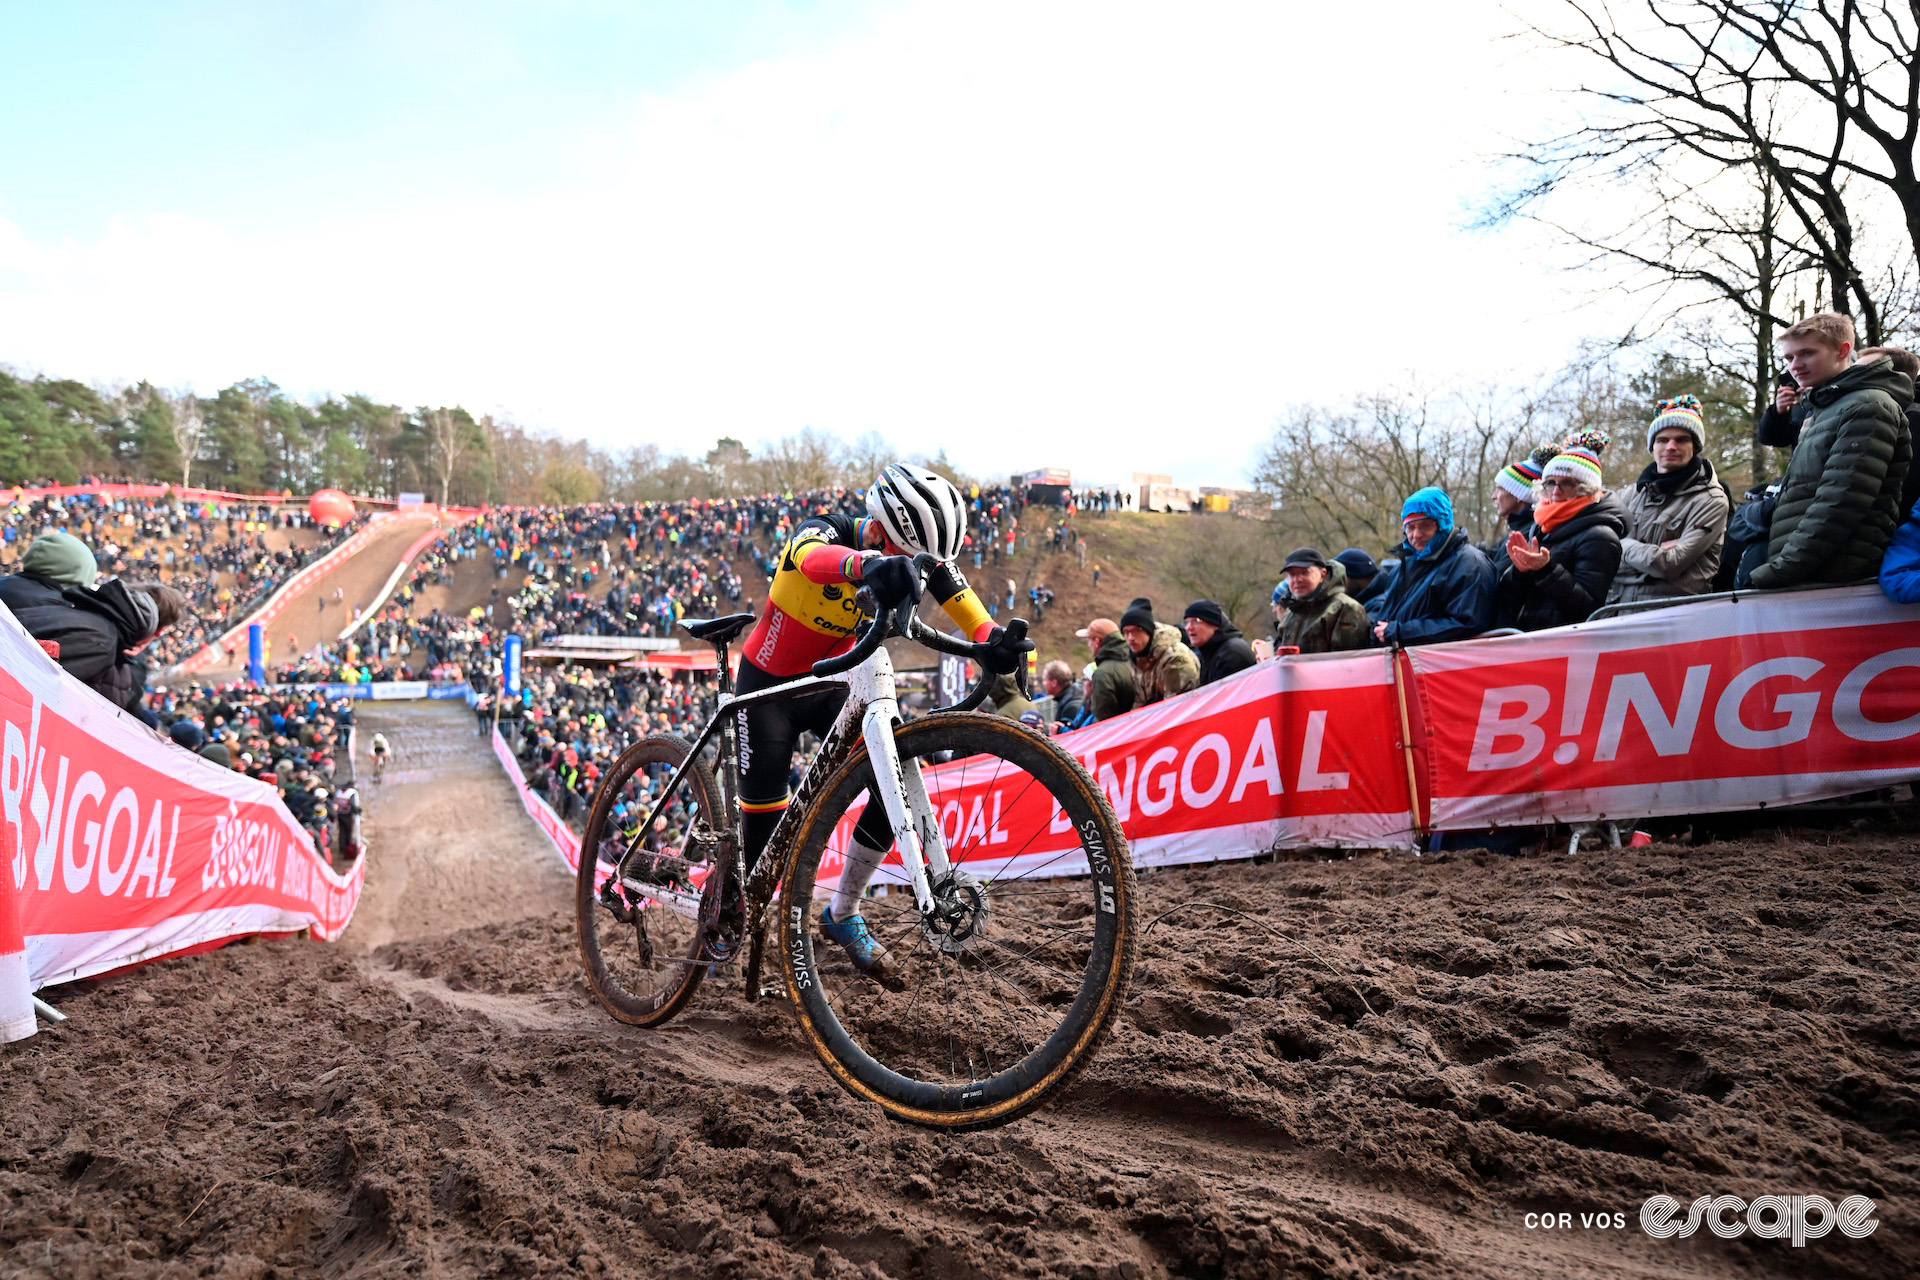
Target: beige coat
point(1672, 545)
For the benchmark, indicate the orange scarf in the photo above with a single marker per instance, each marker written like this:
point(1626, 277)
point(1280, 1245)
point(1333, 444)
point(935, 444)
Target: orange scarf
point(1551, 515)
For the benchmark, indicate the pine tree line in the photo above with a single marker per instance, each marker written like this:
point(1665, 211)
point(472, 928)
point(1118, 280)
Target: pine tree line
point(252, 437)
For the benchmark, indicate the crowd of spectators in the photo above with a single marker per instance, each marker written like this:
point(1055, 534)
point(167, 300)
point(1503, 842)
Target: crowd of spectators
point(1568, 546)
point(112, 588)
point(217, 555)
point(100, 631)
point(296, 741)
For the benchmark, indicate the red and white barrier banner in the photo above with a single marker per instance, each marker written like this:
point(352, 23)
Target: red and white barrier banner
point(1724, 705)
point(170, 492)
point(117, 847)
point(16, 987)
point(558, 833)
point(1762, 700)
point(1304, 753)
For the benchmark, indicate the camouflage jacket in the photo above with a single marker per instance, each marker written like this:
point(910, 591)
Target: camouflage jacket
point(1168, 667)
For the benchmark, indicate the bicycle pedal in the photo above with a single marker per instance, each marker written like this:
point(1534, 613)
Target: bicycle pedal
point(773, 991)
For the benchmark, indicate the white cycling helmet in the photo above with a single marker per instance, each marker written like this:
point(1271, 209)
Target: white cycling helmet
point(918, 510)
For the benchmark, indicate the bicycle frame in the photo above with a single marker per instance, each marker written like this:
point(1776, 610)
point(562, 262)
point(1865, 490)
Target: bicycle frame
point(871, 712)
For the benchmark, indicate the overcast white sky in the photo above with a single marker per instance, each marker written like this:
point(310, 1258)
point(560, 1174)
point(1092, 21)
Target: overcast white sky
point(1115, 236)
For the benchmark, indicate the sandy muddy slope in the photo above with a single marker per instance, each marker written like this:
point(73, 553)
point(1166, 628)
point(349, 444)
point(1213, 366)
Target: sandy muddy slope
point(1378, 1071)
point(453, 846)
point(313, 617)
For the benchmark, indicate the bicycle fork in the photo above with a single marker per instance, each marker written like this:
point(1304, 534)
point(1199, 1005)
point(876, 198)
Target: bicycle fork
point(899, 788)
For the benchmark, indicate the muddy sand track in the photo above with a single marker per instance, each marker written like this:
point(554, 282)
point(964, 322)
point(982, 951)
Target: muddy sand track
point(1380, 1078)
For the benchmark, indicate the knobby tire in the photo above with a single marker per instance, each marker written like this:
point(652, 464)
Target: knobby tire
point(681, 972)
point(1007, 1090)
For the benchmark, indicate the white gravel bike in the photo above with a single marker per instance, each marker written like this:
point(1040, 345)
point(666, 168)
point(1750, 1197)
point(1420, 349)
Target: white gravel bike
point(1010, 946)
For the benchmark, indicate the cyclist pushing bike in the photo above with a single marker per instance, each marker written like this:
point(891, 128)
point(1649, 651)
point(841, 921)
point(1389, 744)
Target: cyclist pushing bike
point(811, 614)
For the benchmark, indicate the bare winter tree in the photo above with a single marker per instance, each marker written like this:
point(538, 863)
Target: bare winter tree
point(866, 458)
point(187, 426)
point(1233, 567)
point(1338, 478)
point(1720, 260)
point(450, 438)
point(807, 459)
point(727, 464)
point(1821, 100)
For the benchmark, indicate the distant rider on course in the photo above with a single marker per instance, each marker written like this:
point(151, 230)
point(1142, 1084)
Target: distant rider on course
point(380, 753)
point(810, 615)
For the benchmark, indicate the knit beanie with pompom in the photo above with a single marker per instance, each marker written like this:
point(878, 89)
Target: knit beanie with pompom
point(1682, 412)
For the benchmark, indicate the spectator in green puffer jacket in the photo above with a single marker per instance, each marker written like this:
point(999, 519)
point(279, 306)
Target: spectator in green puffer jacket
point(1840, 497)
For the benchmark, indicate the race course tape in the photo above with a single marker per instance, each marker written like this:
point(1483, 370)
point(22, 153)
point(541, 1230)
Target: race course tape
point(558, 833)
point(387, 691)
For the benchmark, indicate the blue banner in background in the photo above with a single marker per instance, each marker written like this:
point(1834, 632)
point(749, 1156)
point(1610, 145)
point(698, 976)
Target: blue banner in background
point(510, 668)
point(256, 660)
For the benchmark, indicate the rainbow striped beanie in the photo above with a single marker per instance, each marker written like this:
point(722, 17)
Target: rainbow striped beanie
point(1578, 463)
point(1519, 478)
point(1682, 412)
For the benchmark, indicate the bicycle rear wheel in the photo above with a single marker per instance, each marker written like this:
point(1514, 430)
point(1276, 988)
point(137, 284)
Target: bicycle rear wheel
point(993, 1003)
point(646, 952)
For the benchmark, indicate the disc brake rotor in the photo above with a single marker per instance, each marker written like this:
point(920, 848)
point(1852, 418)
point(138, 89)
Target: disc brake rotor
point(960, 912)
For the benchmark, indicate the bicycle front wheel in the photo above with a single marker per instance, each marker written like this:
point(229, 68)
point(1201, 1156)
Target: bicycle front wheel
point(993, 1001)
point(646, 948)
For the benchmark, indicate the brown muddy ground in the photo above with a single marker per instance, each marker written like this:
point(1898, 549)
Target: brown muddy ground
point(1378, 1070)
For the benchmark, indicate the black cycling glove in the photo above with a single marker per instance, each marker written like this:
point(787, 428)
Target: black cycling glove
point(1004, 651)
point(891, 579)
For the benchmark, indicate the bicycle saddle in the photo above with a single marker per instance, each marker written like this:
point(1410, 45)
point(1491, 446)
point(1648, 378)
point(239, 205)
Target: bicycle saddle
point(717, 630)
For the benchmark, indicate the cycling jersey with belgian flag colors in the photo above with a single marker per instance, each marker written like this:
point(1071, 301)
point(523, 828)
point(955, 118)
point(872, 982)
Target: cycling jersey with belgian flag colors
point(810, 611)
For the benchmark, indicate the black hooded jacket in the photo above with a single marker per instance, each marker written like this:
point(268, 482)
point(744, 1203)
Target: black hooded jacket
point(86, 631)
point(1585, 555)
point(1226, 653)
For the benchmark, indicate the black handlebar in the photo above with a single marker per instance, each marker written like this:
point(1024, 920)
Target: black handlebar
point(902, 621)
point(863, 648)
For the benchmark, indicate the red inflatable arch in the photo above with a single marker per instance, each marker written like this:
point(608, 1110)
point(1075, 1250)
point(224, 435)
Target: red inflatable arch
point(330, 507)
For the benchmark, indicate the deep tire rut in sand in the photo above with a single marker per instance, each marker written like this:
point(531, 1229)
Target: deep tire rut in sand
point(1439, 1047)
